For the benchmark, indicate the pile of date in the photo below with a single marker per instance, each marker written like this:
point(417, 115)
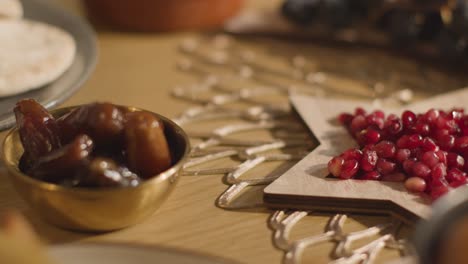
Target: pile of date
point(93, 145)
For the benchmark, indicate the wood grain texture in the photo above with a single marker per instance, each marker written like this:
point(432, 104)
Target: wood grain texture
point(306, 185)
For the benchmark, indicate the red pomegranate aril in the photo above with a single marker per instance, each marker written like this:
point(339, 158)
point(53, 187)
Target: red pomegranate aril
point(358, 123)
point(371, 175)
point(403, 142)
point(455, 161)
point(385, 149)
point(437, 134)
point(408, 118)
point(430, 158)
point(457, 113)
point(457, 184)
point(359, 111)
point(378, 113)
point(421, 170)
point(385, 166)
point(393, 126)
point(442, 155)
point(402, 154)
point(446, 142)
point(456, 177)
point(461, 143)
point(394, 177)
point(439, 191)
point(345, 119)
point(415, 184)
point(369, 160)
point(431, 115)
point(335, 165)
point(422, 129)
point(445, 123)
point(368, 136)
point(349, 169)
point(417, 153)
point(376, 121)
point(353, 153)
point(428, 144)
point(408, 166)
point(439, 171)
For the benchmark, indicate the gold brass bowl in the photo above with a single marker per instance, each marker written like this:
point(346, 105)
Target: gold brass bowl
point(96, 209)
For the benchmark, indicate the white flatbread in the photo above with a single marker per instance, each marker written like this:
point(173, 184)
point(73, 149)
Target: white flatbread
point(11, 9)
point(32, 54)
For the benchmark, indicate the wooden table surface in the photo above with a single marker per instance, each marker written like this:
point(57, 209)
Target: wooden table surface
point(139, 70)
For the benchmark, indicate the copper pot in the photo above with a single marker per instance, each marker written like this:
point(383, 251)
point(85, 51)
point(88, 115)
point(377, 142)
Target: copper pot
point(162, 15)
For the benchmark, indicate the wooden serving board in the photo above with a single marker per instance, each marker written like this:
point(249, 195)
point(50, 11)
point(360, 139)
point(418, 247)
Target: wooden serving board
point(306, 185)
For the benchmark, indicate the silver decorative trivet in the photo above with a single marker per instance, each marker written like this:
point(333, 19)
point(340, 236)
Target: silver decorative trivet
point(247, 94)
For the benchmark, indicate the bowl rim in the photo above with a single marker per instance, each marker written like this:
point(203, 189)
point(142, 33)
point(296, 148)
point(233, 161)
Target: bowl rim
point(15, 172)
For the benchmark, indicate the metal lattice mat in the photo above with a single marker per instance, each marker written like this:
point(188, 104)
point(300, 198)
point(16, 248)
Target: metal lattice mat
point(243, 91)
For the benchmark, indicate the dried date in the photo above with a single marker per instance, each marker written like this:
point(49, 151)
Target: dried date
point(146, 146)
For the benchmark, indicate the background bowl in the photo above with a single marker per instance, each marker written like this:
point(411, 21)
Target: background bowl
point(96, 209)
point(162, 15)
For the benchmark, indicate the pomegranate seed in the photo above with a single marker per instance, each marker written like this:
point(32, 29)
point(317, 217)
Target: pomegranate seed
point(359, 111)
point(369, 160)
point(394, 177)
point(439, 191)
point(431, 115)
point(455, 161)
point(437, 182)
point(421, 170)
point(445, 123)
point(358, 123)
point(408, 166)
point(368, 136)
point(335, 165)
point(415, 184)
point(345, 119)
point(385, 149)
point(385, 166)
point(402, 154)
point(393, 126)
point(402, 142)
point(456, 114)
point(442, 155)
point(430, 158)
point(456, 177)
point(371, 175)
point(353, 153)
point(439, 171)
point(349, 169)
point(428, 144)
point(446, 142)
point(373, 120)
point(461, 143)
point(417, 153)
point(379, 113)
point(422, 129)
point(408, 118)
point(439, 133)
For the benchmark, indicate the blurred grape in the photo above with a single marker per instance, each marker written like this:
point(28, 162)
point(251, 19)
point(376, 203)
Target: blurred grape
point(431, 26)
point(451, 46)
point(301, 12)
point(404, 27)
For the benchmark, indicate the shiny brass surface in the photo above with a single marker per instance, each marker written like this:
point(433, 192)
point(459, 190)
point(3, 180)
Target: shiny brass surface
point(96, 209)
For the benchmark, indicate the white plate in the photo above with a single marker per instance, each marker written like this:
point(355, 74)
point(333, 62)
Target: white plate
point(68, 83)
point(125, 254)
